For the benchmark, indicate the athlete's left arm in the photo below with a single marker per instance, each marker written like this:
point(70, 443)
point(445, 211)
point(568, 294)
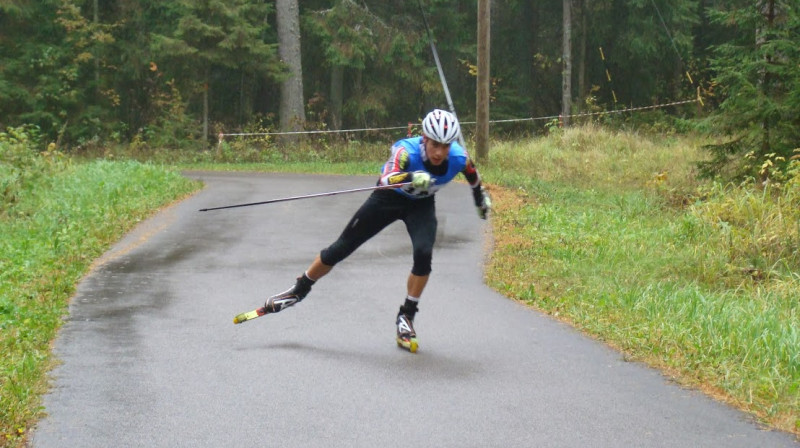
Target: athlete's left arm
point(482, 200)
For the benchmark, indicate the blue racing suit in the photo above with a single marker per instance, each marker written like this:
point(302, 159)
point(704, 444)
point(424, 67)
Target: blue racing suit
point(415, 208)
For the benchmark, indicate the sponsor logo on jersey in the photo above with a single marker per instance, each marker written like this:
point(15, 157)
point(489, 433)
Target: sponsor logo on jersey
point(397, 178)
point(403, 162)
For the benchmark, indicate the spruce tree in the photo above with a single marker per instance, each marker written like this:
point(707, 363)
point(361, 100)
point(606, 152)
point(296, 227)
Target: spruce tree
point(758, 79)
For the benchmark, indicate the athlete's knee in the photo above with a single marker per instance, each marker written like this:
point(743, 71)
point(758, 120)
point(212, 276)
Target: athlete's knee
point(422, 262)
point(335, 253)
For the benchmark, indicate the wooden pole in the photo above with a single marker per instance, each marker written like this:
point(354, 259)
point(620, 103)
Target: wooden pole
point(566, 74)
point(483, 82)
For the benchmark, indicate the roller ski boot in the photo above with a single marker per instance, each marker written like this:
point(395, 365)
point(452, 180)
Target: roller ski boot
point(406, 336)
point(280, 301)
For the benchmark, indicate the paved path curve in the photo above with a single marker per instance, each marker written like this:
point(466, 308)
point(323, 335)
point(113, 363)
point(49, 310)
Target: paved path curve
point(151, 357)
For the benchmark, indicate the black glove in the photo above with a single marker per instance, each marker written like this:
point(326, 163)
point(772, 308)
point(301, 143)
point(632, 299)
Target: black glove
point(482, 201)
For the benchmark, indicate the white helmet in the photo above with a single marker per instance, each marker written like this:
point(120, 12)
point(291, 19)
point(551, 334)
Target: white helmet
point(441, 126)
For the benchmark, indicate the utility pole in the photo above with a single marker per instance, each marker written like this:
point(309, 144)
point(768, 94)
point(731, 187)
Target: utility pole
point(482, 94)
point(566, 74)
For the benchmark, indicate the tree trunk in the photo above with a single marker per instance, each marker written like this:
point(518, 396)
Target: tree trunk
point(292, 112)
point(337, 97)
point(358, 89)
point(582, 57)
point(205, 112)
point(205, 116)
point(242, 108)
point(678, 78)
point(482, 94)
point(96, 21)
point(534, 73)
point(768, 10)
point(566, 74)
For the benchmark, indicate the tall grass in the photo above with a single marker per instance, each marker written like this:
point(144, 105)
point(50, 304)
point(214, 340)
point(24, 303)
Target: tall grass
point(614, 233)
point(760, 226)
point(324, 156)
point(57, 217)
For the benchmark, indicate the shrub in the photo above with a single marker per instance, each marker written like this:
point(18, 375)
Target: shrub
point(22, 167)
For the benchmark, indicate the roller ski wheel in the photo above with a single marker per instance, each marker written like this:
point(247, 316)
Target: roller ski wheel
point(250, 315)
point(409, 344)
point(406, 336)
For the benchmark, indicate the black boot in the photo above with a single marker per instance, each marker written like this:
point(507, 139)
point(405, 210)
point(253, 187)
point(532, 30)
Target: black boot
point(289, 297)
point(406, 336)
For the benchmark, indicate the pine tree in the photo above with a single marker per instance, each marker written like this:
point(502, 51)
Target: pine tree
point(212, 35)
point(47, 49)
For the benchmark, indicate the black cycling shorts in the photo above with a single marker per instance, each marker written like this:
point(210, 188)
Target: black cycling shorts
point(382, 208)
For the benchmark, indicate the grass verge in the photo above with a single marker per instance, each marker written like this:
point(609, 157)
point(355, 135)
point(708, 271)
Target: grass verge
point(595, 230)
point(49, 236)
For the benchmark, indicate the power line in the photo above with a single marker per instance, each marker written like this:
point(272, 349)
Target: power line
point(222, 135)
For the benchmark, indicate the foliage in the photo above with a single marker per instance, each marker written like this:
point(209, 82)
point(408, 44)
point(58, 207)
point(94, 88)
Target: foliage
point(213, 37)
point(145, 68)
point(369, 48)
point(47, 80)
point(665, 48)
point(349, 34)
point(170, 126)
point(759, 80)
point(22, 168)
point(225, 34)
point(760, 224)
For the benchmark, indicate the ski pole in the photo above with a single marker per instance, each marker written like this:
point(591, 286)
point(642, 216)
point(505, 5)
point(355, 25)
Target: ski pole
point(307, 196)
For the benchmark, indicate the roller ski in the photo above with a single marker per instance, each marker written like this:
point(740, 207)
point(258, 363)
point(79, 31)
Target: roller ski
point(406, 336)
point(278, 302)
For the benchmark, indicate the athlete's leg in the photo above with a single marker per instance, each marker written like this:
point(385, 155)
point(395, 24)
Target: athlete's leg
point(420, 222)
point(378, 211)
point(318, 269)
point(421, 225)
point(416, 284)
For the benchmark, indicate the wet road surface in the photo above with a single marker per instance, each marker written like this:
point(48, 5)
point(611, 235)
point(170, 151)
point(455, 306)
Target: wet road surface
point(151, 357)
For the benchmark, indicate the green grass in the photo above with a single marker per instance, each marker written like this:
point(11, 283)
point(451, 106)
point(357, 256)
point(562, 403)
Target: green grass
point(702, 285)
point(50, 233)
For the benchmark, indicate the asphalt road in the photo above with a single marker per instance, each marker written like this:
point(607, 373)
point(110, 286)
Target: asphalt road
point(151, 357)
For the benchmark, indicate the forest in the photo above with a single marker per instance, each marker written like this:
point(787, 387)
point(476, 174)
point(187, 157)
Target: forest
point(176, 74)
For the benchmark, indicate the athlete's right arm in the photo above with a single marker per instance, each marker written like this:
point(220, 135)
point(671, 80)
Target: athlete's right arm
point(395, 169)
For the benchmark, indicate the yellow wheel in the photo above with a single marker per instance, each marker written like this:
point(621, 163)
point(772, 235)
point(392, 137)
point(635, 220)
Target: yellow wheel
point(408, 344)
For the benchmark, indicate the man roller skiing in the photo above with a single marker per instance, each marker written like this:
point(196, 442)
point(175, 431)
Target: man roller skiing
point(428, 162)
